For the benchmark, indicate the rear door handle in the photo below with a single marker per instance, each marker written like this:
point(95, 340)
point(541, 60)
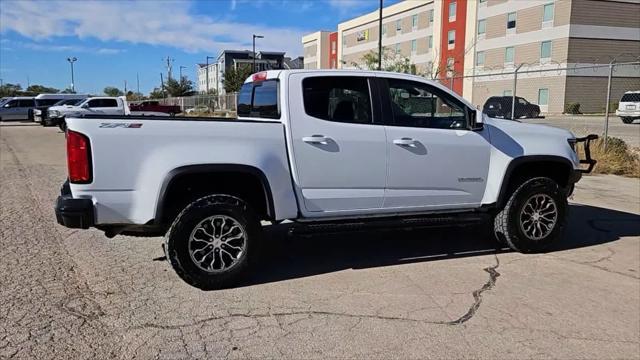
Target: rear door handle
point(316, 139)
point(405, 142)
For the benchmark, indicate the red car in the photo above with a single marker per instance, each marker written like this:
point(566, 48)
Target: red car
point(154, 105)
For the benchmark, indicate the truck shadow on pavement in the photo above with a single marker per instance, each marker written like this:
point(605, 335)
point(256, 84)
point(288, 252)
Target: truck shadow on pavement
point(285, 256)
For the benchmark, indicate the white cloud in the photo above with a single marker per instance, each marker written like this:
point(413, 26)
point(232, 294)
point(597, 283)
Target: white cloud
point(66, 48)
point(167, 23)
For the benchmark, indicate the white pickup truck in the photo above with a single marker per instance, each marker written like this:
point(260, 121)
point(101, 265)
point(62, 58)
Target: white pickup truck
point(105, 105)
point(326, 150)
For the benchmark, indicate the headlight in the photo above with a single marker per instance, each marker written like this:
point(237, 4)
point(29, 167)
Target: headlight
point(37, 112)
point(54, 113)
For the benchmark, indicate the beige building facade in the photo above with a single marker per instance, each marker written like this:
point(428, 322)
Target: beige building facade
point(563, 47)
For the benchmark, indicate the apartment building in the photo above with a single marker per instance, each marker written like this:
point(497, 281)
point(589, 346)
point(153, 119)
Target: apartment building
point(547, 35)
point(474, 46)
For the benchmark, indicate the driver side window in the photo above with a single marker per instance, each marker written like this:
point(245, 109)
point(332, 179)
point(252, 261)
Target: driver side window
point(416, 104)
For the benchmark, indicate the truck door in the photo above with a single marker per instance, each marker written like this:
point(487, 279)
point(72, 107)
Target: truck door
point(339, 154)
point(435, 161)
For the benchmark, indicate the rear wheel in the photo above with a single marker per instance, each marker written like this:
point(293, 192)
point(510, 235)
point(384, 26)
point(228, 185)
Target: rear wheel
point(212, 242)
point(534, 216)
point(627, 120)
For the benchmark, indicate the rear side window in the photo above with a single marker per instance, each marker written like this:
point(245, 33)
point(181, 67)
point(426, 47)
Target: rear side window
point(46, 102)
point(338, 98)
point(26, 103)
point(109, 103)
point(631, 97)
point(259, 100)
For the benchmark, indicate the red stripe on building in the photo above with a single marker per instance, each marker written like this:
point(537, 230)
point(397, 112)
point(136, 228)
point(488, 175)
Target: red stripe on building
point(457, 52)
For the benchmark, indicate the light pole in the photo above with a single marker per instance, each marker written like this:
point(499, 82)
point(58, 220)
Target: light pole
point(207, 69)
point(380, 38)
point(181, 67)
point(254, 49)
point(71, 60)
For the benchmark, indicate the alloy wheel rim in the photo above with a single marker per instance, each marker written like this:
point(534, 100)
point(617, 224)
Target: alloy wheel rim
point(217, 244)
point(538, 216)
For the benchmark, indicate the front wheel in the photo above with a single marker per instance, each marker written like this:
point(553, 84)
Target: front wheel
point(627, 120)
point(212, 242)
point(534, 216)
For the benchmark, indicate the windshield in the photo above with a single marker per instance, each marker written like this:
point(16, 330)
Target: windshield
point(69, 102)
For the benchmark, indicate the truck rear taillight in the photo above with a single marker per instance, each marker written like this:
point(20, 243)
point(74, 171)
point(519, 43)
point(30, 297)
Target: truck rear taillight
point(78, 158)
point(261, 76)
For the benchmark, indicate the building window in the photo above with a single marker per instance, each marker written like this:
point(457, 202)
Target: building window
point(414, 22)
point(483, 1)
point(452, 11)
point(398, 25)
point(333, 47)
point(511, 21)
point(509, 54)
point(480, 58)
point(543, 96)
point(384, 30)
point(545, 51)
point(430, 15)
point(398, 49)
point(482, 28)
point(414, 46)
point(450, 62)
point(547, 15)
point(451, 37)
point(430, 42)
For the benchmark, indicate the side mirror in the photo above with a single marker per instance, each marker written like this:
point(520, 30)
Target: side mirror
point(475, 120)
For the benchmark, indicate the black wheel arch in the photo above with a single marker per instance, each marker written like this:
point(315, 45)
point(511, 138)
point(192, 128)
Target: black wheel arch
point(558, 168)
point(162, 209)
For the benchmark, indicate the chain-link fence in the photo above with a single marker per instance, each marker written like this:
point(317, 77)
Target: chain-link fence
point(584, 98)
point(200, 104)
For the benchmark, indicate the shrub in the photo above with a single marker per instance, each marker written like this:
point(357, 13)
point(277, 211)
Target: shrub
point(572, 108)
point(618, 159)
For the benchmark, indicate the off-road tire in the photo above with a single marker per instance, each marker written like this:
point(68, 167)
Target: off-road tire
point(63, 125)
point(177, 239)
point(507, 222)
point(627, 120)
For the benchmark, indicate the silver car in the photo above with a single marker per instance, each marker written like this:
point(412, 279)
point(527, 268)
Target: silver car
point(16, 108)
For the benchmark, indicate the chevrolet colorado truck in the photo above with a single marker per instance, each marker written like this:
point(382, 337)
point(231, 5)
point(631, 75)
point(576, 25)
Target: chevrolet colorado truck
point(326, 150)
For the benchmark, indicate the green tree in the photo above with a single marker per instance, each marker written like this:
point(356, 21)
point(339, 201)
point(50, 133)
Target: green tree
point(157, 93)
point(113, 91)
point(390, 62)
point(39, 89)
point(234, 78)
point(68, 91)
point(10, 90)
point(184, 87)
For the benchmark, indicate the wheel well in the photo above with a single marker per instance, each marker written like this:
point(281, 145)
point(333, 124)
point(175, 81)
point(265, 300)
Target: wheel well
point(557, 170)
point(188, 186)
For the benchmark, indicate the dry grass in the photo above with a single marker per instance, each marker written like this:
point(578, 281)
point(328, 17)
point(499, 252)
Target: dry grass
point(618, 159)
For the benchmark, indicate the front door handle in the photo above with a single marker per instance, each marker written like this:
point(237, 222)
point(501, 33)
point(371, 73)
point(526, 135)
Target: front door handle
point(316, 139)
point(405, 142)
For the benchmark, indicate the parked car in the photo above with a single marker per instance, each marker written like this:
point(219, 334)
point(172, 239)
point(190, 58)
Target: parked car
point(16, 108)
point(42, 115)
point(154, 105)
point(44, 101)
point(629, 107)
point(326, 150)
point(500, 106)
point(200, 109)
point(94, 106)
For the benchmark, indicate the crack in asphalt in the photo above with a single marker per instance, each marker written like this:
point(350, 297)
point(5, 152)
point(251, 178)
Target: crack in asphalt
point(473, 309)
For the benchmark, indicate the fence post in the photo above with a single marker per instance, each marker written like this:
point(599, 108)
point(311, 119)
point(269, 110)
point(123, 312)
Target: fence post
point(513, 92)
point(606, 108)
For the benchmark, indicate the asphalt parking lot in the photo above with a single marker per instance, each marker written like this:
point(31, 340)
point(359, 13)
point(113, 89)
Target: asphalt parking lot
point(401, 293)
point(582, 125)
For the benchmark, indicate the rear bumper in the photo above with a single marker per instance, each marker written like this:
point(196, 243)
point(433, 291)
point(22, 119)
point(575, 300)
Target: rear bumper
point(628, 113)
point(74, 213)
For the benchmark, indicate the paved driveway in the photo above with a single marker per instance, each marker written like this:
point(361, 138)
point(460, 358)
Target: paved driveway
point(392, 294)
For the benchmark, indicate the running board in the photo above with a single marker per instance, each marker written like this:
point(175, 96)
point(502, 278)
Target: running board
point(441, 220)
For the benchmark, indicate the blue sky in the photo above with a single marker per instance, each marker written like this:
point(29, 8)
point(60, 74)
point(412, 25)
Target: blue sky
point(113, 40)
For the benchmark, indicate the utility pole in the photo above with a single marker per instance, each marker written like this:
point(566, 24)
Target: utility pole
point(71, 60)
point(181, 67)
point(137, 83)
point(162, 85)
point(125, 87)
point(513, 92)
point(28, 82)
point(254, 49)
point(380, 37)
point(169, 61)
point(606, 109)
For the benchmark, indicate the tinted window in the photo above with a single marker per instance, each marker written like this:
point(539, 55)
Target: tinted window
point(421, 105)
point(259, 99)
point(94, 103)
point(109, 103)
point(46, 102)
point(338, 98)
point(11, 103)
point(632, 97)
point(26, 103)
